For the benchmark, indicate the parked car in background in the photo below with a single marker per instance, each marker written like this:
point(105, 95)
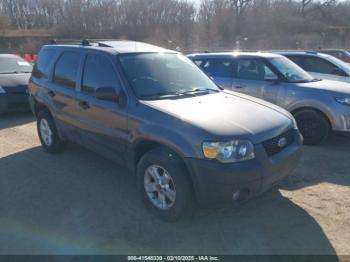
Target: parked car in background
point(154, 110)
point(320, 65)
point(319, 106)
point(14, 76)
point(341, 54)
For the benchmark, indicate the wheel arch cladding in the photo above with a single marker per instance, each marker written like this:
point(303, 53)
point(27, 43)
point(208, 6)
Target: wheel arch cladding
point(297, 110)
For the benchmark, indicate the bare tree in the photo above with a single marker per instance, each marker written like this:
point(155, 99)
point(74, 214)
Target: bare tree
point(214, 24)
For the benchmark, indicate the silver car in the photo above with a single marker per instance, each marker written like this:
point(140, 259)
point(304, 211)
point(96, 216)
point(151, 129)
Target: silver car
point(320, 65)
point(319, 106)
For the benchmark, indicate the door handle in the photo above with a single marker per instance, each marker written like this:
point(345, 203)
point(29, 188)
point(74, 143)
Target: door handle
point(51, 93)
point(84, 105)
point(239, 87)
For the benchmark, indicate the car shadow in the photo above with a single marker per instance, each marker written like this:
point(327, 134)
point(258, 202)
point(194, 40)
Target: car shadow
point(333, 165)
point(79, 203)
point(8, 120)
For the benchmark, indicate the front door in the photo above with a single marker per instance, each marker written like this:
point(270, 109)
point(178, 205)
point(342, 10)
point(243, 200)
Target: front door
point(103, 123)
point(253, 76)
point(249, 76)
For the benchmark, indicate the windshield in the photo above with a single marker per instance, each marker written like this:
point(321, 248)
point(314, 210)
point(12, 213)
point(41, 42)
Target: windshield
point(156, 75)
point(12, 65)
point(292, 72)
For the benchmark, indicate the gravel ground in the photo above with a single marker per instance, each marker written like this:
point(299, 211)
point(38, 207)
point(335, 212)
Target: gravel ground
point(80, 203)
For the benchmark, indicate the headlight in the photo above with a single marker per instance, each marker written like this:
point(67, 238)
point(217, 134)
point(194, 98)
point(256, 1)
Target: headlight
point(2, 91)
point(343, 100)
point(228, 152)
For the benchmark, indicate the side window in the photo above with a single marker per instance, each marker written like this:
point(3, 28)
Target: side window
point(254, 69)
point(268, 74)
point(66, 69)
point(317, 65)
point(98, 72)
point(199, 63)
point(299, 60)
point(43, 64)
point(218, 67)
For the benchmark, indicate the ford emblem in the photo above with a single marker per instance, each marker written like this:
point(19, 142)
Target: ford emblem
point(282, 142)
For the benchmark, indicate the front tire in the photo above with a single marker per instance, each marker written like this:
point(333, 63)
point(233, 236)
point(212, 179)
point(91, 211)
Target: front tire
point(164, 184)
point(313, 126)
point(48, 134)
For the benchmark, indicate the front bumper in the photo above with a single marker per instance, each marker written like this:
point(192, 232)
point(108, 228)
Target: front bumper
point(215, 183)
point(14, 102)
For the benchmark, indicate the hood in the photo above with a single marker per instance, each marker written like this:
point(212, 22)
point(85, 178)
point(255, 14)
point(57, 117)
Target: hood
point(328, 85)
point(227, 115)
point(14, 83)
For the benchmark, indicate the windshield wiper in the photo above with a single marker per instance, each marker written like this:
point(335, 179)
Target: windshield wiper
point(180, 93)
point(196, 90)
point(306, 81)
point(161, 94)
point(15, 72)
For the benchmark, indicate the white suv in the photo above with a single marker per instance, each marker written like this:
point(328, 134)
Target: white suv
point(320, 65)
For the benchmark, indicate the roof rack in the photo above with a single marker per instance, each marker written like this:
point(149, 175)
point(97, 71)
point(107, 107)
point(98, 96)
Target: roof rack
point(312, 52)
point(84, 42)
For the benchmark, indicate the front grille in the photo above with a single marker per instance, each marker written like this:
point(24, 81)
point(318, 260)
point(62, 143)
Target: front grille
point(273, 145)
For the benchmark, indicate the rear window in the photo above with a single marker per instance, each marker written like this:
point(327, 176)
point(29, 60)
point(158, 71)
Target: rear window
point(13, 65)
point(66, 69)
point(44, 63)
point(217, 67)
point(296, 59)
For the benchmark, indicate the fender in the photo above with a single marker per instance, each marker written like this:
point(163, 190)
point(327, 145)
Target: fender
point(312, 104)
point(43, 98)
point(167, 137)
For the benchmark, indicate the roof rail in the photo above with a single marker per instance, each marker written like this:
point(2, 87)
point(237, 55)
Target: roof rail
point(84, 42)
point(312, 52)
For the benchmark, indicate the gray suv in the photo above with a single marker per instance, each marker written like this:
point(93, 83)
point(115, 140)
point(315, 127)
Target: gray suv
point(319, 106)
point(155, 111)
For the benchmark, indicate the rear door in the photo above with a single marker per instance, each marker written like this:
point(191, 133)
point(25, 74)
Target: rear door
point(62, 90)
point(219, 69)
point(103, 123)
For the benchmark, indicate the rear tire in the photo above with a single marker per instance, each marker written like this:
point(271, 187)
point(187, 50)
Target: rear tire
point(164, 184)
point(48, 134)
point(313, 126)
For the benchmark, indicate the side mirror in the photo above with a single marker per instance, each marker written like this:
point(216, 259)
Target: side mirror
point(107, 94)
point(271, 78)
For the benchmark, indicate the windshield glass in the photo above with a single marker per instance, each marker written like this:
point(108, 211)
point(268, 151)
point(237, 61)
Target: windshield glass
point(155, 75)
point(292, 72)
point(11, 65)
